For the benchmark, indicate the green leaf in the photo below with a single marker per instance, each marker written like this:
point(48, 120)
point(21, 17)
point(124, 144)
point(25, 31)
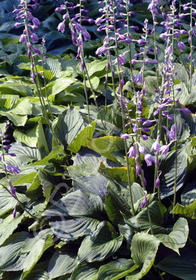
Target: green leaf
point(168, 172)
point(117, 269)
point(11, 258)
point(93, 83)
point(178, 237)
point(55, 66)
point(85, 271)
point(36, 247)
point(47, 185)
point(79, 214)
point(101, 245)
point(42, 140)
point(81, 138)
point(69, 125)
point(156, 212)
point(143, 249)
point(117, 173)
point(62, 263)
point(113, 212)
point(61, 84)
point(8, 202)
point(23, 153)
point(186, 211)
point(106, 146)
point(96, 66)
point(20, 179)
point(56, 151)
point(28, 137)
point(182, 266)
point(8, 225)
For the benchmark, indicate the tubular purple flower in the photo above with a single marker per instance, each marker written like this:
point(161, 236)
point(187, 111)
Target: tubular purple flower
point(149, 159)
point(132, 153)
point(124, 136)
point(143, 203)
point(12, 189)
point(181, 46)
point(61, 27)
point(138, 169)
point(157, 182)
point(14, 212)
point(155, 146)
point(164, 149)
point(141, 149)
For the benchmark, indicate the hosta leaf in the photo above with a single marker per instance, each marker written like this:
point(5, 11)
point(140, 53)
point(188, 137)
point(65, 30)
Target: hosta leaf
point(8, 202)
point(86, 178)
point(81, 138)
point(28, 137)
point(182, 266)
point(8, 225)
point(20, 179)
point(73, 228)
point(85, 271)
point(112, 211)
point(117, 173)
point(156, 212)
point(101, 245)
point(95, 184)
point(62, 263)
point(96, 66)
point(106, 146)
point(77, 204)
point(55, 66)
point(121, 195)
point(36, 247)
point(86, 210)
point(188, 195)
point(23, 153)
point(57, 150)
point(93, 83)
point(11, 258)
point(61, 84)
point(186, 211)
point(116, 270)
point(168, 172)
point(23, 107)
point(178, 236)
point(143, 249)
point(69, 125)
point(17, 120)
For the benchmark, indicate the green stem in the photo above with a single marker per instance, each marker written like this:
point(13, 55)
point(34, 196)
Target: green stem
point(122, 112)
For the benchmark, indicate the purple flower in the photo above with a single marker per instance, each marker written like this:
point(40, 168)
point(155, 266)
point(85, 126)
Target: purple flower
point(171, 133)
point(12, 168)
point(141, 149)
point(138, 169)
point(61, 27)
point(124, 136)
point(132, 153)
point(121, 60)
point(155, 146)
point(164, 149)
point(14, 212)
point(181, 46)
point(143, 203)
point(157, 182)
point(12, 189)
point(138, 78)
point(149, 159)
